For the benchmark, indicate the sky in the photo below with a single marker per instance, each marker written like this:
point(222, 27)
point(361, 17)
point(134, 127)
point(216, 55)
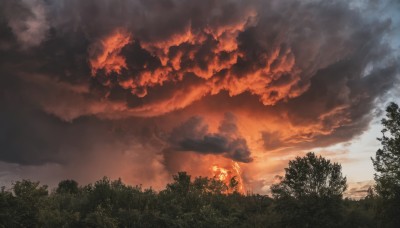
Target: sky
point(143, 89)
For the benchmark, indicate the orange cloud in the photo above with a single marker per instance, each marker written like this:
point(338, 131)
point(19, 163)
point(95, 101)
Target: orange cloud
point(274, 79)
point(179, 99)
point(105, 53)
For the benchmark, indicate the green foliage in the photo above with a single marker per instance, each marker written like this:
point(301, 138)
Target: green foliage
point(311, 176)
point(387, 159)
point(9, 214)
point(201, 202)
point(387, 166)
point(310, 193)
point(360, 213)
point(20, 208)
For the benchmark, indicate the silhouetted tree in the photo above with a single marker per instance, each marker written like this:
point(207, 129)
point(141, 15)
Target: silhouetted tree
point(181, 184)
point(186, 202)
point(310, 193)
point(311, 175)
point(68, 186)
point(387, 167)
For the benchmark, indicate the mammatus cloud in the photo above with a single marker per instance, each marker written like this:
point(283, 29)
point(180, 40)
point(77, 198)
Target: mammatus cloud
point(250, 81)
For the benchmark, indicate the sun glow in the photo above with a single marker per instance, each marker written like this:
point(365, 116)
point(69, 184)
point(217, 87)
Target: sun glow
point(231, 175)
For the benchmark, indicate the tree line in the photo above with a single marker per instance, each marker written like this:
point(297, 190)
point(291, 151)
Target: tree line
point(310, 194)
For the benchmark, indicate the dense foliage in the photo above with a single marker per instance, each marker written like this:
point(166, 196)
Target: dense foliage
point(310, 193)
point(186, 202)
point(387, 166)
point(311, 176)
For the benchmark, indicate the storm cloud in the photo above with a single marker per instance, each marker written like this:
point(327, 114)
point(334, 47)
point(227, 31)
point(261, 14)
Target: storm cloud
point(148, 82)
point(194, 135)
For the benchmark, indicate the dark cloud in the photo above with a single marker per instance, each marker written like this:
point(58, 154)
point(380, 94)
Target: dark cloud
point(282, 43)
point(194, 135)
point(27, 20)
point(340, 104)
point(77, 77)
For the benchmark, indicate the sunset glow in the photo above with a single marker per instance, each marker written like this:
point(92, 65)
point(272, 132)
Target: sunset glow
point(227, 174)
point(108, 56)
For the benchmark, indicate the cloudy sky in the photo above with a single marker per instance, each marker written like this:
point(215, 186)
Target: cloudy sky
point(142, 89)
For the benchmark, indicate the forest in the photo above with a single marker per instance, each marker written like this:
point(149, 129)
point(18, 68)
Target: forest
point(310, 194)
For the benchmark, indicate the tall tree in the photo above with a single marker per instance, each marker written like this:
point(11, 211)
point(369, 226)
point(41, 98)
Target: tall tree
point(310, 193)
point(311, 175)
point(387, 167)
